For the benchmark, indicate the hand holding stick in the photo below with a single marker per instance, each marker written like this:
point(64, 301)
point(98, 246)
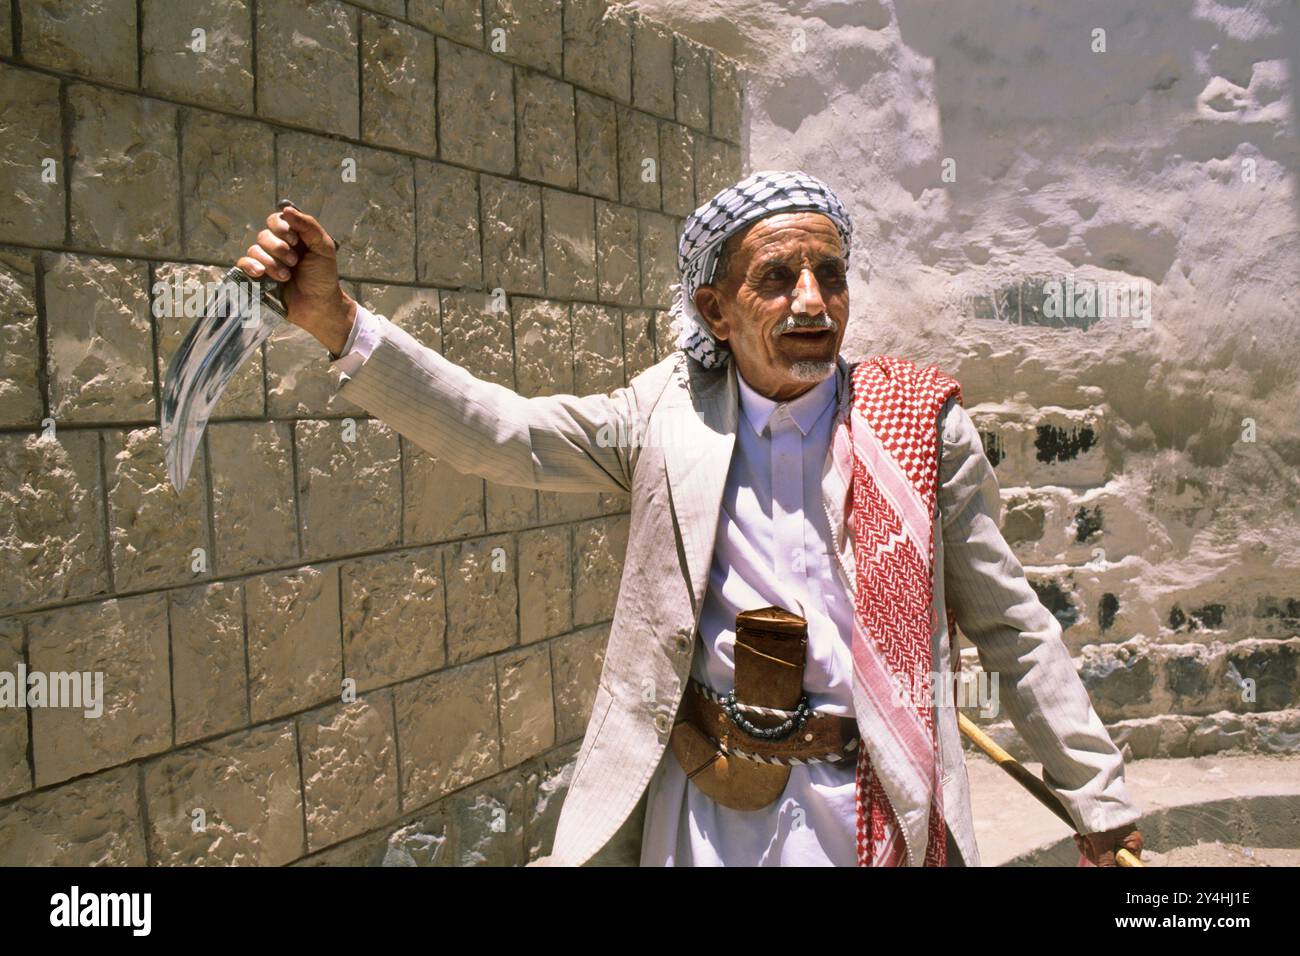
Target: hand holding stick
point(1123, 856)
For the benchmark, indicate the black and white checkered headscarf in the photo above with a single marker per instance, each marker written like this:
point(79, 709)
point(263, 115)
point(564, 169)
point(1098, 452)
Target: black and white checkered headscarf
point(758, 195)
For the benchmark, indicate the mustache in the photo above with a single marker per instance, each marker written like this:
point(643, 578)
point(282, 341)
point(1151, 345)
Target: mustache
point(822, 322)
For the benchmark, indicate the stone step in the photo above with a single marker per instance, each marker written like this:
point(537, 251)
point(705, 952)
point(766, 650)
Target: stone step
point(1139, 678)
point(1137, 555)
point(1109, 601)
point(1177, 735)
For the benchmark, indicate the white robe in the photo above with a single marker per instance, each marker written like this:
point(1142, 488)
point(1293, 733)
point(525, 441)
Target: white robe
point(773, 547)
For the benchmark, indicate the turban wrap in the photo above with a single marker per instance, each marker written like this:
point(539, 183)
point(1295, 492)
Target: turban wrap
point(761, 194)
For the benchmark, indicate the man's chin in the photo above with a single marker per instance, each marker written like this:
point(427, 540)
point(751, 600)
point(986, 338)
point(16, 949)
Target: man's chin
point(812, 371)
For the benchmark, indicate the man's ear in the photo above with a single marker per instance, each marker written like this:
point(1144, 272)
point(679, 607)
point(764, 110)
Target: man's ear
point(708, 303)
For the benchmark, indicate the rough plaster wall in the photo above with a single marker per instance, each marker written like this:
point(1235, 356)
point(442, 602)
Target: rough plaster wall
point(1131, 491)
point(470, 618)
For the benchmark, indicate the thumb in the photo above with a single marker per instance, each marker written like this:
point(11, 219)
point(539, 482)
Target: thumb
point(310, 231)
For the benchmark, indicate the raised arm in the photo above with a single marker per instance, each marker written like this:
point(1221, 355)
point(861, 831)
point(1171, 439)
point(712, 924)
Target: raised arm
point(554, 442)
point(1020, 640)
point(557, 443)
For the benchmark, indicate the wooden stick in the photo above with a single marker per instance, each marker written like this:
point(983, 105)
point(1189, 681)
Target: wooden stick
point(1030, 782)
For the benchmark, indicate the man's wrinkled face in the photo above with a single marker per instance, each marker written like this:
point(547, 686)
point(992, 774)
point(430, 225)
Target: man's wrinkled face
point(783, 304)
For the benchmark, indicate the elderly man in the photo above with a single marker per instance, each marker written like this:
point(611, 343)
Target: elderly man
point(804, 533)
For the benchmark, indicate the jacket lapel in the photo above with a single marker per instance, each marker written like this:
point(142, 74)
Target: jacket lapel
point(701, 425)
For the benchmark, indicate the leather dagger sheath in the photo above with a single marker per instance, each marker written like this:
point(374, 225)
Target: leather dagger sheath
point(770, 653)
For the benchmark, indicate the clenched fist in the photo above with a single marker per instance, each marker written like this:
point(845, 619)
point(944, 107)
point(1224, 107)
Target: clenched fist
point(1099, 848)
point(295, 250)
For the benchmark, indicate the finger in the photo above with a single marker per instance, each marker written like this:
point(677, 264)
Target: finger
point(250, 266)
point(276, 223)
point(311, 231)
point(281, 250)
point(269, 265)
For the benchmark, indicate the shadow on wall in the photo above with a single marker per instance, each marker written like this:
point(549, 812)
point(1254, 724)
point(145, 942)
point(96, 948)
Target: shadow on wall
point(1107, 103)
point(1132, 143)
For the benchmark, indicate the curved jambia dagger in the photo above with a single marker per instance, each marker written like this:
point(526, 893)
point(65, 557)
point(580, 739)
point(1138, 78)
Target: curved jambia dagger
point(238, 317)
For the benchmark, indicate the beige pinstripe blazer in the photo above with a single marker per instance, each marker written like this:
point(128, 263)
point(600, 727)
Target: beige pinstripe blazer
point(667, 439)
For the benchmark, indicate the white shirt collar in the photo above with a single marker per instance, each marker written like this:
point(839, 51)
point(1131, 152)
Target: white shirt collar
point(805, 410)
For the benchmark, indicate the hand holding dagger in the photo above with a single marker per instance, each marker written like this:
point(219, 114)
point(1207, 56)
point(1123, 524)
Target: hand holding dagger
point(293, 269)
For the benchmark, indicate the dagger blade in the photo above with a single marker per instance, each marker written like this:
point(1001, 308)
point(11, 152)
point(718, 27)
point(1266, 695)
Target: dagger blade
point(238, 316)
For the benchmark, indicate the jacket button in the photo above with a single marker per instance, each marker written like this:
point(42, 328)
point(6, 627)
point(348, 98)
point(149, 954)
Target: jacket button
point(662, 724)
point(683, 640)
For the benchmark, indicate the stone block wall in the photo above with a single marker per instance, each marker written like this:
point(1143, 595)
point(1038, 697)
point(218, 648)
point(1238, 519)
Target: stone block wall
point(324, 650)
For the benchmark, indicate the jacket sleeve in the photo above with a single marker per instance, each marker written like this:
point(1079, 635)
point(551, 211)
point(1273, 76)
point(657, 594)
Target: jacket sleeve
point(1019, 640)
point(555, 443)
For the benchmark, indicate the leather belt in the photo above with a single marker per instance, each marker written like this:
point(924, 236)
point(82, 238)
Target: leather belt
point(822, 738)
point(738, 750)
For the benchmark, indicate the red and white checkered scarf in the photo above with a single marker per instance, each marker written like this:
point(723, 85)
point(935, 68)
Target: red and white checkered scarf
point(888, 449)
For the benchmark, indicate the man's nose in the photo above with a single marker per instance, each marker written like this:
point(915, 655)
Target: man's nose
point(807, 295)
